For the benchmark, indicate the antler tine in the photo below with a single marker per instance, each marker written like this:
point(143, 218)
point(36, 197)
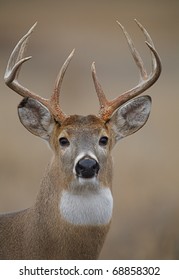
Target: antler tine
point(155, 58)
point(14, 65)
point(137, 58)
point(108, 107)
point(15, 60)
point(56, 94)
point(101, 96)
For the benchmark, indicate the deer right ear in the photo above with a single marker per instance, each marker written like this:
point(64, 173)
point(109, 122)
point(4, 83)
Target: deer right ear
point(130, 117)
point(36, 117)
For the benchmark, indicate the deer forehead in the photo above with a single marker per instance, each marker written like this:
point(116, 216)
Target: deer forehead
point(82, 127)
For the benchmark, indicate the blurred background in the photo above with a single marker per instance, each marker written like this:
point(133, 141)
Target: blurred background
point(146, 178)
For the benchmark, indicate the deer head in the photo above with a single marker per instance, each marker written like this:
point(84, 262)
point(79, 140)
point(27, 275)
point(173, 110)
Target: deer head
point(82, 144)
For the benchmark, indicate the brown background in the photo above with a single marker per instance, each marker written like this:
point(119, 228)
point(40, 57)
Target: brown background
point(146, 176)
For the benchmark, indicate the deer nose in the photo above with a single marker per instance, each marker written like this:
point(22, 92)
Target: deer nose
point(87, 168)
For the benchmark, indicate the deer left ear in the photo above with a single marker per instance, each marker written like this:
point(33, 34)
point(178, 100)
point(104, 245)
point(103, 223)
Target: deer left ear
point(36, 118)
point(130, 117)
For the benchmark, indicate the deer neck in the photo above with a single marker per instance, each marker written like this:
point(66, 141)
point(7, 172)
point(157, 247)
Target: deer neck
point(77, 219)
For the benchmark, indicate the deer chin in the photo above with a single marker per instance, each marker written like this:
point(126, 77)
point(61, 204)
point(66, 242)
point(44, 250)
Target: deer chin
point(80, 184)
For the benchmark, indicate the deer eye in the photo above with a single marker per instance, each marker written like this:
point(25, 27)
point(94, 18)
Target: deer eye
point(64, 142)
point(103, 141)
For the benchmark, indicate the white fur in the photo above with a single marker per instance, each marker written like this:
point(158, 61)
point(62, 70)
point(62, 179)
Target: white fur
point(89, 207)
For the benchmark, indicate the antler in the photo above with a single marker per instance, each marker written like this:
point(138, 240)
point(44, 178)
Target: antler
point(108, 107)
point(12, 71)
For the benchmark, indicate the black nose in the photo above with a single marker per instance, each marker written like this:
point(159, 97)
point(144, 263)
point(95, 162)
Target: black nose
point(87, 168)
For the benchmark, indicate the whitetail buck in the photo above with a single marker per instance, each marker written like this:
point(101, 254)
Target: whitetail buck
point(72, 213)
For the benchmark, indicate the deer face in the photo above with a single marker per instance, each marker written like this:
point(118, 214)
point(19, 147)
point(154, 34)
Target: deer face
point(84, 145)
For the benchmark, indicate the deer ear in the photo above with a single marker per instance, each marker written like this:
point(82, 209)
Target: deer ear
point(130, 117)
point(36, 117)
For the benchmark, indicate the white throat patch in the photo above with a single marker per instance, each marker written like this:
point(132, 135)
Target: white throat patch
point(88, 207)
